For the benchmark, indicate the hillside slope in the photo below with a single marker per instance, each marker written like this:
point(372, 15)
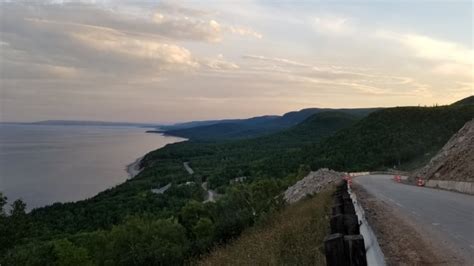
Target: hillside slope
point(390, 138)
point(312, 130)
point(220, 161)
point(402, 137)
point(455, 161)
point(281, 239)
point(466, 101)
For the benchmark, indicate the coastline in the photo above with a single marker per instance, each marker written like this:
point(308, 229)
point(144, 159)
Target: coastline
point(134, 169)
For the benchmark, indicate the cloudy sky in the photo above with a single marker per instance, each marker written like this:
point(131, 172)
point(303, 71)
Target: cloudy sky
point(167, 61)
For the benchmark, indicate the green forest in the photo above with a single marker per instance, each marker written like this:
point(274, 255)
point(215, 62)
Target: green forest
point(131, 225)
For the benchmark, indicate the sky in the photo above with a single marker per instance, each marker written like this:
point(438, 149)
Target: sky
point(173, 61)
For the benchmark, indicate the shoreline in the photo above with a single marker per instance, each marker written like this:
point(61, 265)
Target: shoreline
point(134, 169)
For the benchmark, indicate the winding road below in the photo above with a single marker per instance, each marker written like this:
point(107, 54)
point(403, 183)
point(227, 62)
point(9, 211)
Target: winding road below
point(447, 214)
point(211, 194)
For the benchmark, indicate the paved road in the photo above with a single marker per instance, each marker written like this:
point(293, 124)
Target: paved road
point(211, 194)
point(448, 213)
point(188, 168)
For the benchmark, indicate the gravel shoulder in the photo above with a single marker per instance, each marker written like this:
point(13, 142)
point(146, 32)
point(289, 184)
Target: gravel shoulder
point(401, 239)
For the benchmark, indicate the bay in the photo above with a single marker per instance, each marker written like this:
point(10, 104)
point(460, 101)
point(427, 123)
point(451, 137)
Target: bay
point(43, 164)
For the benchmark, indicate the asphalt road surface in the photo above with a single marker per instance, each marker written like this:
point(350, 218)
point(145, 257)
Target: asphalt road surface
point(448, 214)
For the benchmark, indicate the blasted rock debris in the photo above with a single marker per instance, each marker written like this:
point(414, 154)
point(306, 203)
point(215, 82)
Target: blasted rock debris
point(313, 183)
point(455, 160)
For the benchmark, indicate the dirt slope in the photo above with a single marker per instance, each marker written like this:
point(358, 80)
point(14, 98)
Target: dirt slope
point(455, 161)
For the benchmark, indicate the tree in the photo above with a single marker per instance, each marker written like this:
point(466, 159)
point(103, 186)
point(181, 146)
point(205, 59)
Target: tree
point(67, 254)
point(4, 232)
point(203, 232)
point(3, 202)
point(148, 242)
point(15, 226)
point(18, 222)
point(191, 213)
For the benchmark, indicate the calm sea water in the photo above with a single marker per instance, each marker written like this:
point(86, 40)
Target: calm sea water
point(47, 164)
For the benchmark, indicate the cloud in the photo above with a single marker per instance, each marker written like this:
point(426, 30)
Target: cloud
point(431, 49)
point(97, 51)
point(162, 55)
point(244, 31)
point(276, 60)
point(173, 8)
point(219, 63)
point(189, 22)
point(453, 69)
point(196, 28)
point(188, 28)
point(337, 79)
point(445, 59)
point(167, 20)
point(31, 71)
point(330, 24)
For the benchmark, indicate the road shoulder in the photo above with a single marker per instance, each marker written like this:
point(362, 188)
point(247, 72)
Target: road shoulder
point(402, 241)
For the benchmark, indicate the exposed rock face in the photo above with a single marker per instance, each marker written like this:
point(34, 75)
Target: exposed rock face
point(313, 183)
point(455, 161)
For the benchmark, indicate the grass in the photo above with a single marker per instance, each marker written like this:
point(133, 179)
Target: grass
point(293, 236)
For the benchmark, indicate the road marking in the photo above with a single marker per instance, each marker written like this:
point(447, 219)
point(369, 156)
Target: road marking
point(435, 224)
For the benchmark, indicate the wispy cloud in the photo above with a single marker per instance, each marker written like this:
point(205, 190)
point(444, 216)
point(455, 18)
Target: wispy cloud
point(161, 54)
point(432, 49)
point(219, 63)
point(276, 60)
point(446, 58)
point(332, 24)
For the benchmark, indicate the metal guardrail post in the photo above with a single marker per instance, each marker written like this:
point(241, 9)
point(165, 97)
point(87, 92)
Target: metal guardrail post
point(344, 246)
point(355, 250)
point(335, 250)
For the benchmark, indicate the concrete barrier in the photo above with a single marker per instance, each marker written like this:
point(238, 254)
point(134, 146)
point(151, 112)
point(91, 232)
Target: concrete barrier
point(458, 186)
point(374, 253)
point(358, 174)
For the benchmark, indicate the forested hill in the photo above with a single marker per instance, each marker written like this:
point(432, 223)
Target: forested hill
point(466, 101)
point(252, 127)
point(390, 138)
point(246, 121)
point(312, 130)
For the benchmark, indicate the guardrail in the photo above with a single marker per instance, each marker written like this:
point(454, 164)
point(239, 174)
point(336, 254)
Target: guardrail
point(345, 245)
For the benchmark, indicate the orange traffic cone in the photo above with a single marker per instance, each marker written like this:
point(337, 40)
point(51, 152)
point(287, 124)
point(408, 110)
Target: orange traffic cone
point(420, 182)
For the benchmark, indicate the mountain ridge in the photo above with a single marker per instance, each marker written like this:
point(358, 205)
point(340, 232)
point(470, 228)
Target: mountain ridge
point(256, 126)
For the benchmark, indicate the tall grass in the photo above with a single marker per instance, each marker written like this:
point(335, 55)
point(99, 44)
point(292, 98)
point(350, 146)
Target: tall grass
point(293, 236)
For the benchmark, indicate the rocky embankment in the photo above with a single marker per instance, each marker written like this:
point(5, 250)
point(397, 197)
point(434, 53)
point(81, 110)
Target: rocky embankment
point(313, 183)
point(455, 160)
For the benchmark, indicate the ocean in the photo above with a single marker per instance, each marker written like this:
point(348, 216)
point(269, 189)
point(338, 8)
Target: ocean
point(46, 164)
